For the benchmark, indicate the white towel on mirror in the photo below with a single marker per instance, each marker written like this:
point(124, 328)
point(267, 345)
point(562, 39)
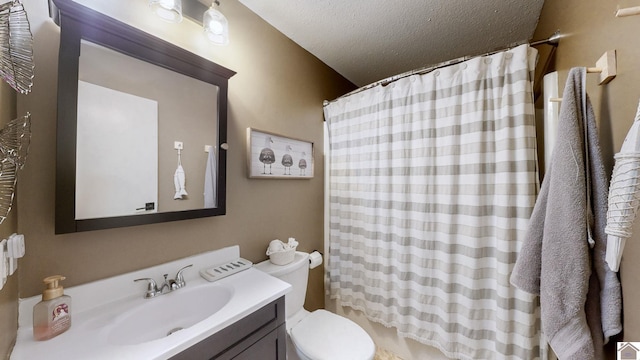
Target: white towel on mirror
point(210, 181)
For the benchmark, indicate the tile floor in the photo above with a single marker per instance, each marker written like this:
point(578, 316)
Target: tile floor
point(382, 354)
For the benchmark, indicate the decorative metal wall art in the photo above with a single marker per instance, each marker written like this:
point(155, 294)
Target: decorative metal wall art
point(16, 47)
point(15, 138)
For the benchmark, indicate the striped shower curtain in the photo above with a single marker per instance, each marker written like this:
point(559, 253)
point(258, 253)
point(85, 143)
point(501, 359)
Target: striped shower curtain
point(432, 180)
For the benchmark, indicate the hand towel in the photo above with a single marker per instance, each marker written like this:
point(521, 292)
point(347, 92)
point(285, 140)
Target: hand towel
point(624, 195)
point(210, 181)
point(578, 308)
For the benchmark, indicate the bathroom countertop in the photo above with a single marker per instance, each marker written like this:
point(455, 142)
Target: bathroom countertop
point(94, 305)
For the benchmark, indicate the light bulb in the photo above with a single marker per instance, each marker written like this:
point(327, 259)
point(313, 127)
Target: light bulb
point(167, 4)
point(216, 26)
point(169, 10)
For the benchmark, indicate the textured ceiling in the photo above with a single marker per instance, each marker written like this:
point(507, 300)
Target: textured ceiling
point(369, 40)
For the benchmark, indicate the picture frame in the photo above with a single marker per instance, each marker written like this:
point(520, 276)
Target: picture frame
point(274, 156)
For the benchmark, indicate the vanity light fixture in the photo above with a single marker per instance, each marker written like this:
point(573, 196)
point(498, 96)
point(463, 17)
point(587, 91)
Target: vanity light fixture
point(216, 26)
point(169, 10)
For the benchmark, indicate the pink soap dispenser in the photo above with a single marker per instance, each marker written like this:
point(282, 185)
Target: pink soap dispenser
point(52, 315)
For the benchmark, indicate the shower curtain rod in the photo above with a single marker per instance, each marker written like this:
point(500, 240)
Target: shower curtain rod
point(553, 40)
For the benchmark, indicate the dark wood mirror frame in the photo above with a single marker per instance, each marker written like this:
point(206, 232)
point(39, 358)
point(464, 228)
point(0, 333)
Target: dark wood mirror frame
point(77, 23)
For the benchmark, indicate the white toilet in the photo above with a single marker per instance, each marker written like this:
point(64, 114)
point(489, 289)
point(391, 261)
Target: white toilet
point(318, 335)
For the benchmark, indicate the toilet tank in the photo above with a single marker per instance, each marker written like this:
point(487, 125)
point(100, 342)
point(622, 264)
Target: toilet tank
point(295, 273)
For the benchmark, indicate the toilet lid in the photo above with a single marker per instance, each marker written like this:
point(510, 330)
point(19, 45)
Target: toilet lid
point(326, 336)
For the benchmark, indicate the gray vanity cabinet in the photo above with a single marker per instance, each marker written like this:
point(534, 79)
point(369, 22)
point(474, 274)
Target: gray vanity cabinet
point(259, 336)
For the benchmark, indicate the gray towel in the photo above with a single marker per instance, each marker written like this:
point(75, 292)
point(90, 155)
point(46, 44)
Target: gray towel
point(579, 310)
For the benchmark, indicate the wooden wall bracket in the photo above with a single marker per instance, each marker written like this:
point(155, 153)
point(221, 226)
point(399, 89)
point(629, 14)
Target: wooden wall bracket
point(635, 10)
point(606, 66)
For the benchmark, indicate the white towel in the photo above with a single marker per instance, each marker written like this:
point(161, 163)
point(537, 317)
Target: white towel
point(624, 195)
point(210, 181)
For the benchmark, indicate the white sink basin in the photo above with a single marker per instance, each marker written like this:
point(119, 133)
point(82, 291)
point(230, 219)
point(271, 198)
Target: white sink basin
point(112, 320)
point(167, 314)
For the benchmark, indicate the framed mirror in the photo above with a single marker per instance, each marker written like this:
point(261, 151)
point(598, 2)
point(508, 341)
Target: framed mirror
point(142, 126)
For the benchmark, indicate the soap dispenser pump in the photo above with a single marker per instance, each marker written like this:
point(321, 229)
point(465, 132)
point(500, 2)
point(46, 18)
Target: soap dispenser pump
point(52, 315)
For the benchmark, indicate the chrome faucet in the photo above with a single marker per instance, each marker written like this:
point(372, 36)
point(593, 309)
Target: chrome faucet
point(169, 284)
point(152, 288)
point(179, 281)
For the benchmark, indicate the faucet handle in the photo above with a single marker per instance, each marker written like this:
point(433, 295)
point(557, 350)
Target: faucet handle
point(179, 278)
point(152, 287)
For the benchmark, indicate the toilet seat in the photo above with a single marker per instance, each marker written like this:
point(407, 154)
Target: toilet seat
point(323, 335)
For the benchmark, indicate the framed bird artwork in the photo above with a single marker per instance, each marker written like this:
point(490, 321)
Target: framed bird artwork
point(273, 156)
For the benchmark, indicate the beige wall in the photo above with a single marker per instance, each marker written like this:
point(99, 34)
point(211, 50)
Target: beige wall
point(590, 29)
point(9, 293)
point(278, 87)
